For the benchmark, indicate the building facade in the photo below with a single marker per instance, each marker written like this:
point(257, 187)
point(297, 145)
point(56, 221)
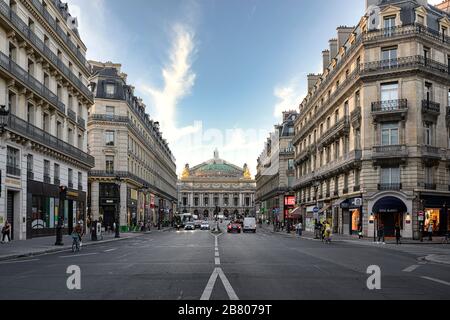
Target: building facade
point(372, 142)
point(275, 197)
point(135, 171)
point(216, 184)
point(44, 95)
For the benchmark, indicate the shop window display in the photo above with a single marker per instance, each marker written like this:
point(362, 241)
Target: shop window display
point(432, 216)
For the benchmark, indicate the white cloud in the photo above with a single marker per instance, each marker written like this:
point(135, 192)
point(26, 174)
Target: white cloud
point(178, 81)
point(434, 2)
point(96, 30)
point(289, 96)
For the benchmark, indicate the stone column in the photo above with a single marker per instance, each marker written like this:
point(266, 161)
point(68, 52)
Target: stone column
point(123, 205)
point(95, 200)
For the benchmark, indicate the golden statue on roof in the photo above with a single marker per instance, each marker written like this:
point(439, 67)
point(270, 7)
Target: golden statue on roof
point(186, 173)
point(247, 174)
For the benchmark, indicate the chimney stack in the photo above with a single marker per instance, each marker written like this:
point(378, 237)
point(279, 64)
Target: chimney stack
point(343, 33)
point(326, 59)
point(312, 80)
point(333, 48)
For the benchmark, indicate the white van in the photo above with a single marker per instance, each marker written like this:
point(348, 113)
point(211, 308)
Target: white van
point(250, 225)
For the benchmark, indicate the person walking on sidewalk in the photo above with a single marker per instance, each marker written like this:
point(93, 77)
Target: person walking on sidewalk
point(430, 232)
point(6, 232)
point(381, 234)
point(398, 234)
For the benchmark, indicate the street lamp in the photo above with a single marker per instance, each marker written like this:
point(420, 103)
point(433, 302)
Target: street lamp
point(117, 230)
point(4, 116)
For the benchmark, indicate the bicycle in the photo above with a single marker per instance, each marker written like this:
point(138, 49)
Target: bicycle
point(446, 239)
point(76, 243)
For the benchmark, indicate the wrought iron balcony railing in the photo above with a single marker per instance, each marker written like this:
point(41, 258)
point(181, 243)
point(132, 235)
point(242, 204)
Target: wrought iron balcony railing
point(30, 175)
point(356, 188)
point(13, 171)
point(72, 115)
point(390, 105)
point(27, 33)
point(431, 107)
point(29, 81)
point(53, 23)
point(80, 187)
point(56, 182)
point(47, 179)
point(390, 151)
point(81, 122)
point(70, 185)
point(24, 128)
point(390, 187)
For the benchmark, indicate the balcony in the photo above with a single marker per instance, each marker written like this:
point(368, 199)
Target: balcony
point(345, 191)
point(428, 186)
point(390, 187)
point(56, 182)
point(339, 129)
point(302, 156)
point(394, 110)
point(13, 171)
point(385, 68)
point(105, 117)
point(80, 187)
point(431, 108)
point(287, 151)
point(23, 76)
point(391, 153)
point(72, 115)
point(25, 129)
point(429, 152)
point(356, 188)
point(54, 25)
point(338, 166)
point(47, 179)
point(30, 175)
point(28, 34)
point(355, 117)
point(70, 185)
point(81, 123)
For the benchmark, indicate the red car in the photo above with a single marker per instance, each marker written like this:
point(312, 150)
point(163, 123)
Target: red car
point(234, 227)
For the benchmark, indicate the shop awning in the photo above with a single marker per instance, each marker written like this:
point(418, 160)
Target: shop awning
point(296, 213)
point(324, 209)
point(389, 205)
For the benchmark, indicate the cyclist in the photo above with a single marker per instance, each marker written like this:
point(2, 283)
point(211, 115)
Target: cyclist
point(77, 234)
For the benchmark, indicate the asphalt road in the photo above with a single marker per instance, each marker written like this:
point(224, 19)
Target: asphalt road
point(189, 266)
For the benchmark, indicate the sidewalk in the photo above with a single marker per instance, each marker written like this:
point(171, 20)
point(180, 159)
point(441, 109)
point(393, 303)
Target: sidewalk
point(310, 236)
point(39, 246)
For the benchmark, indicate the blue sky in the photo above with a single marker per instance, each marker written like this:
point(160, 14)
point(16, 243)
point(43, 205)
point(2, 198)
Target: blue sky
point(214, 72)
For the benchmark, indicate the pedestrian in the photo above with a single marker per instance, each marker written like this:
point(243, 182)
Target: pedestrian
point(300, 229)
point(398, 234)
point(360, 231)
point(6, 232)
point(430, 232)
point(381, 238)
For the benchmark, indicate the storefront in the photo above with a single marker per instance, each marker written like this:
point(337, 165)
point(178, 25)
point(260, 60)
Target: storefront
point(109, 204)
point(289, 205)
point(310, 219)
point(44, 207)
point(132, 208)
point(352, 216)
point(436, 210)
point(389, 212)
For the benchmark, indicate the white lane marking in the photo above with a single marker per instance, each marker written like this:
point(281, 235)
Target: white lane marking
point(411, 268)
point(217, 261)
point(18, 261)
point(437, 280)
point(111, 250)
point(210, 286)
point(216, 242)
point(231, 294)
point(217, 254)
point(79, 255)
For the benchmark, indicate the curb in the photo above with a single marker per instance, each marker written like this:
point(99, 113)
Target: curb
point(60, 249)
point(435, 259)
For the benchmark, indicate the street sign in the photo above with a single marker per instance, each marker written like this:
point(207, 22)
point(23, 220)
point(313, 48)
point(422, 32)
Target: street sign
point(316, 210)
point(421, 216)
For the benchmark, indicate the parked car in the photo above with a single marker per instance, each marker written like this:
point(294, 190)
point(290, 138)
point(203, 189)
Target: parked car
point(197, 224)
point(234, 228)
point(189, 226)
point(250, 225)
point(205, 225)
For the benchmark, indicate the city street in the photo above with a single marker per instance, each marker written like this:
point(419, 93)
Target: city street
point(263, 266)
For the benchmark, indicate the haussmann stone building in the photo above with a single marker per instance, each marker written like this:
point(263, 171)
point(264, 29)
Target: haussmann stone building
point(372, 142)
point(135, 171)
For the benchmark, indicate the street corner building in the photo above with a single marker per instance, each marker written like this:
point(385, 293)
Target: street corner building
point(44, 101)
point(135, 172)
point(275, 196)
point(372, 141)
point(216, 187)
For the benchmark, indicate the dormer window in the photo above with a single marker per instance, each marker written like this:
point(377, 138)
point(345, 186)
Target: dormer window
point(110, 89)
point(420, 19)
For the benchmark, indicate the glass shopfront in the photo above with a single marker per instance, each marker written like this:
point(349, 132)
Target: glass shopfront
point(433, 218)
point(356, 220)
point(437, 214)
